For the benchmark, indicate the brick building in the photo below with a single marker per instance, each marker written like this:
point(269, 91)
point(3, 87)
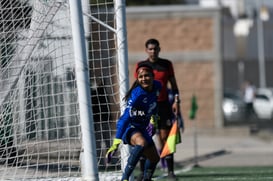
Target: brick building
point(190, 37)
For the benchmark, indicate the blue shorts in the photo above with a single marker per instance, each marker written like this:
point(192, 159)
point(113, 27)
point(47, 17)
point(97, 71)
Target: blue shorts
point(132, 130)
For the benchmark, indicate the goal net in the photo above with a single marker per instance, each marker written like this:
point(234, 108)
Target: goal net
point(41, 133)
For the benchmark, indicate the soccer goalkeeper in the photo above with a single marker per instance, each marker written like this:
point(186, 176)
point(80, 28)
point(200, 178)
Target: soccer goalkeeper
point(134, 126)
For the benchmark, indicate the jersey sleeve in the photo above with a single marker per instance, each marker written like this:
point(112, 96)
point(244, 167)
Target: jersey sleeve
point(171, 69)
point(122, 123)
point(126, 117)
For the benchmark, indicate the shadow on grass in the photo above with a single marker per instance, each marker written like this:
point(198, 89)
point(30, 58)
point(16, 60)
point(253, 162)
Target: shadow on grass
point(208, 156)
point(161, 175)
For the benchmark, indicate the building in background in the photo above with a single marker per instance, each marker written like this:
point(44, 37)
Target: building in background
point(207, 55)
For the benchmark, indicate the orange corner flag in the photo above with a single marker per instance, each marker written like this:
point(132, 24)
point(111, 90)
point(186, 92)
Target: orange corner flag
point(173, 139)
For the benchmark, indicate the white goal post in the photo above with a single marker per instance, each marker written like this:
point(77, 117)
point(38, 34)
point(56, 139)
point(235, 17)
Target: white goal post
point(63, 74)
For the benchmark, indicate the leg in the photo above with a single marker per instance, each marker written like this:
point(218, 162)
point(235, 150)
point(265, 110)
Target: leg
point(170, 165)
point(169, 158)
point(132, 161)
point(142, 161)
point(151, 162)
point(139, 142)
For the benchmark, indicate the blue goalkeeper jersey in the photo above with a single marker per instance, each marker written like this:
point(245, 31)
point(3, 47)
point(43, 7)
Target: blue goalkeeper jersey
point(141, 105)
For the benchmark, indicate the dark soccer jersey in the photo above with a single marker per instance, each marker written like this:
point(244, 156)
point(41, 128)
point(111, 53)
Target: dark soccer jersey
point(163, 71)
point(140, 107)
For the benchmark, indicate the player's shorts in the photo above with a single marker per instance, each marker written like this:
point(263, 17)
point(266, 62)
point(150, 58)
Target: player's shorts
point(132, 130)
point(166, 115)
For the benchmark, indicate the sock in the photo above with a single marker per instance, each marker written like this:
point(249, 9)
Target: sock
point(149, 170)
point(142, 161)
point(170, 162)
point(163, 163)
point(132, 161)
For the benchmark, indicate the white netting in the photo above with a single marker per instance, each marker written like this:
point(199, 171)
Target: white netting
point(40, 133)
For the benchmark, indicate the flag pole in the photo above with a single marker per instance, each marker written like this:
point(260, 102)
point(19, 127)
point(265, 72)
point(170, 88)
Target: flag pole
point(192, 116)
point(195, 145)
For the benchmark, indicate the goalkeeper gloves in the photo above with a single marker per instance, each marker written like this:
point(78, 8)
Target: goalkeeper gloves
point(154, 119)
point(112, 150)
point(152, 127)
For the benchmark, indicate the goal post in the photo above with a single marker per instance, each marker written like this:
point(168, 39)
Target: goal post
point(63, 74)
point(88, 157)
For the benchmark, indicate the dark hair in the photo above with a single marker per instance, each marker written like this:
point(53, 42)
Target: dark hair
point(136, 83)
point(128, 94)
point(150, 69)
point(152, 41)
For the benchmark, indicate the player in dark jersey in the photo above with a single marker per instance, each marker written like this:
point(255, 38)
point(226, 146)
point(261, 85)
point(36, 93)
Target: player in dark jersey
point(132, 125)
point(164, 73)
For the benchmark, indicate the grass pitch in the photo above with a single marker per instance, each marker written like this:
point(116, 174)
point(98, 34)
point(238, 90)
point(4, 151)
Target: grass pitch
point(264, 173)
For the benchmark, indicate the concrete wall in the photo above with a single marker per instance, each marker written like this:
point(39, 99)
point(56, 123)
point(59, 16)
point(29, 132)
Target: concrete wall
point(190, 37)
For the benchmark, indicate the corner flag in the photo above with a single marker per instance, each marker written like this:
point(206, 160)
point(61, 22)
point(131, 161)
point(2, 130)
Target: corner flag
point(173, 139)
point(194, 107)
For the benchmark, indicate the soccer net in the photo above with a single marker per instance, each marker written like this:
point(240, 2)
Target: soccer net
point(40, 125)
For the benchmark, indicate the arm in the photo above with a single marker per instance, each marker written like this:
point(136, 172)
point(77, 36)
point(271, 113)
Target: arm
point(176, 103)
point(121, 127)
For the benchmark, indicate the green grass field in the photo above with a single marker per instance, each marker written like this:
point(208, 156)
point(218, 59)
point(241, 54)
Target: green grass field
point(220, 174)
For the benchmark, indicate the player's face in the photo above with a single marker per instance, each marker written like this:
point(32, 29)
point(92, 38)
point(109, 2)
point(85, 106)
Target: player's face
point(145, 79)
point(153, 52)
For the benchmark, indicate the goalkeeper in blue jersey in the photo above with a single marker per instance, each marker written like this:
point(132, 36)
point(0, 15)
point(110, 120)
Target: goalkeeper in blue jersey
point(132, 126)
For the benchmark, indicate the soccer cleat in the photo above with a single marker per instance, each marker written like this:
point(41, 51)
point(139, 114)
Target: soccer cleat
point(171, 176)
point(140, 177)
